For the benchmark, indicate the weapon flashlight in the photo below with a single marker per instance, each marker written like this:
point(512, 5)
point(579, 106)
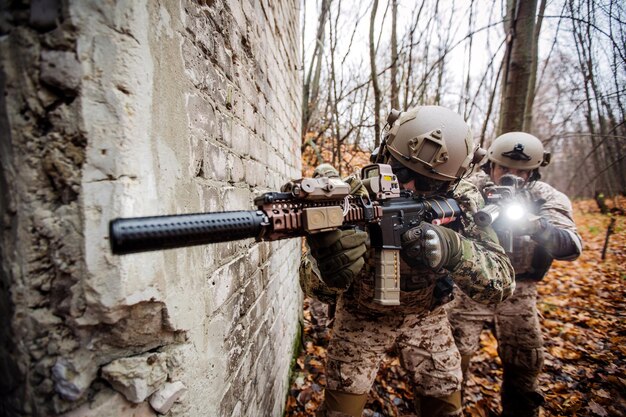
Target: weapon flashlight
point(515, 212)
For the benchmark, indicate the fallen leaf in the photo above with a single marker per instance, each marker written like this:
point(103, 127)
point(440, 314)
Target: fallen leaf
point(582, 305)
point(602, 393)
point(597, 409)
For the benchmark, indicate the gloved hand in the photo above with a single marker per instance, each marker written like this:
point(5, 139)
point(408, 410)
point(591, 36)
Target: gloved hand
point(528, 225)
point(356, 186)
point(433, 246)
point(325, 170)
point(541, 229)
point(339, 255)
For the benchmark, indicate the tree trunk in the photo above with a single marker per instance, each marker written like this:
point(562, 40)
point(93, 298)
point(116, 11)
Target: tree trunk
point(311, 87)
point(492, 96)
point(377, 98)
point(395, 101)
point(518, 64)
point(532, 82)
point(333, 99)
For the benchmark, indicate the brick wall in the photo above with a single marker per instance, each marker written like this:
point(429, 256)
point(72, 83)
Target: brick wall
point(135, 108)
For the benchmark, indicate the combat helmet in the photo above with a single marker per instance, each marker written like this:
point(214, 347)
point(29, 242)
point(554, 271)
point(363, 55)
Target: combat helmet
point(518, 150)
point(432, 141)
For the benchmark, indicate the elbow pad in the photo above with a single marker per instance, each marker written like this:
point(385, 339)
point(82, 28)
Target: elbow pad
point(561, 244)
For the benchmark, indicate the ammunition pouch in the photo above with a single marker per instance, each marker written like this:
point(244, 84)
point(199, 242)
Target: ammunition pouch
point(434, 295)
point(311, 283)
point(540, 265)
point(442, 293)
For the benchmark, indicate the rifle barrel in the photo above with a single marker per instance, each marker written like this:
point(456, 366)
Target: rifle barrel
point(487, 215)
point(142, 234)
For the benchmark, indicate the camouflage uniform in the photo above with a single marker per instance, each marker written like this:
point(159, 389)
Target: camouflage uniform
point(517, 325)
point(364, 330)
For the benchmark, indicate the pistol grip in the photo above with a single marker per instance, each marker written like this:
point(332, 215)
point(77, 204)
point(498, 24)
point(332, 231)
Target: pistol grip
point(387, 279)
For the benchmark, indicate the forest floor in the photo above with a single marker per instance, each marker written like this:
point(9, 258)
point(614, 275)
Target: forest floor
point(583, 315)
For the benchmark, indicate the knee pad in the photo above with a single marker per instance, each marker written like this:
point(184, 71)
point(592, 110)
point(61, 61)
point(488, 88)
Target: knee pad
point(447, 406)
point(340, 404)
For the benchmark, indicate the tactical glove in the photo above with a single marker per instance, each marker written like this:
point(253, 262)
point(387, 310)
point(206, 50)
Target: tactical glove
point(560, 243)
point(325, 170)
point(356, 186)
point(433, 246)
point(339, 255)
point(528, 225)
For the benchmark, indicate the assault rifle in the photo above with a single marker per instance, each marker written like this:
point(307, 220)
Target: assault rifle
point(304, 206)
point(505, 205)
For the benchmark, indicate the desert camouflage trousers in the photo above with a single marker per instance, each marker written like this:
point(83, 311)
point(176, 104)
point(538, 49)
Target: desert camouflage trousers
point(425, 343)
point(517, 328)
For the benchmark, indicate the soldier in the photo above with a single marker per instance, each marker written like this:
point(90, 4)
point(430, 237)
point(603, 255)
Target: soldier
point(548, 234)
point(429, 149)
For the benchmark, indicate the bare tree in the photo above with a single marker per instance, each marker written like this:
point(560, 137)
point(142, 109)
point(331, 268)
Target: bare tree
point(311, 84)
point(395, 100)
point(598, 112)
point(409, 88)
point(520, 24)
point(578, 108)
point(377, 98)
point(532, 82)
point(466, 94)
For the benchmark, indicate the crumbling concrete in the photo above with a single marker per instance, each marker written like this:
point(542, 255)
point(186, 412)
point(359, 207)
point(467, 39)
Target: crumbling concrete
point(163, 400)
point(137, 377)
point(134, 108)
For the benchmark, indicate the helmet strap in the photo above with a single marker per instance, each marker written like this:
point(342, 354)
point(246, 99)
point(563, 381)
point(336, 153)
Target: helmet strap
point(380, 154)
point(534, 176)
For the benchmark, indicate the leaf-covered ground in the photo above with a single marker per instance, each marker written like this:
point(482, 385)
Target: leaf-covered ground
point(583, 309)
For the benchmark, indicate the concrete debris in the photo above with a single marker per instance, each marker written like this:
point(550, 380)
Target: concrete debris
point(163, 399)
point(72, 378)
point(137, 377)
point(111, 403)
point(61, 70)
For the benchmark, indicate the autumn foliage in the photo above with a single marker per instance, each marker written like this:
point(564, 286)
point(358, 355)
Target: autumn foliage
point(582, 304)
point(346, 158)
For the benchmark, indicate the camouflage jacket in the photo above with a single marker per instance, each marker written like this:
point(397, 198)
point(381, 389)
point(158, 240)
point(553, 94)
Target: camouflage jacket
point(528, 258)
point(485, 272)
